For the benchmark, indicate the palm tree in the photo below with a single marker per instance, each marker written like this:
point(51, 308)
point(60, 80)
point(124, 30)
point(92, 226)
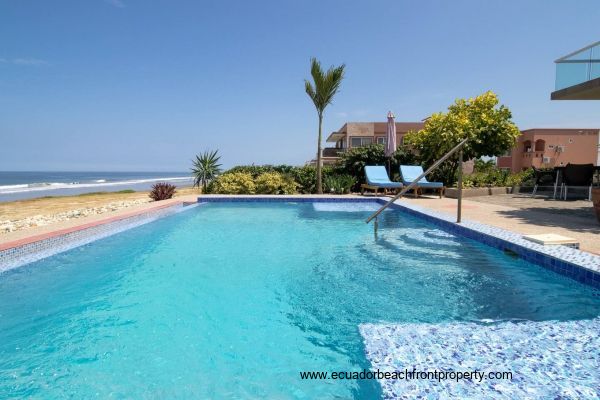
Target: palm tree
point(205, 168)
point(326, 85)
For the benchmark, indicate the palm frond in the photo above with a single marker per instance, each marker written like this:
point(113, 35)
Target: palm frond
point(310, 91)
point(326, 84)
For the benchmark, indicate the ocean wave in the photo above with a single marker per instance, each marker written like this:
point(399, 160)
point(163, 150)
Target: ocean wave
point(100, 183)
point(30, 185)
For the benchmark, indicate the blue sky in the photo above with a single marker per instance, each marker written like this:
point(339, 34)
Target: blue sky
point(145, 85)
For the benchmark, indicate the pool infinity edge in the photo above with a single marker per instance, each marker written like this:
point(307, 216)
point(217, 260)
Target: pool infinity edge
point(25, 251)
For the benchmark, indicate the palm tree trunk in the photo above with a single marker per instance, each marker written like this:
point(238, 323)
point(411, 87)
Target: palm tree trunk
point(319, 161)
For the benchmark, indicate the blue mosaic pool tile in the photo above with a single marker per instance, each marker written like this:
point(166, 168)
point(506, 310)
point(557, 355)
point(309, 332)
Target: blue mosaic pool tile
point(575, 264)
point(547, 360)
point(283, 198)
point(560, 259)
point(351, 207)
point(28, 253)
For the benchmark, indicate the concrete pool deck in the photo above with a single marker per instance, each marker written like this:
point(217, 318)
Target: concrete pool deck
point(525, 215)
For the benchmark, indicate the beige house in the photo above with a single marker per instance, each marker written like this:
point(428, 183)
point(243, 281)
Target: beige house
point(358, 134)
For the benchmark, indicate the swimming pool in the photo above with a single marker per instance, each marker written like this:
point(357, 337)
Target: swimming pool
point(233, 300)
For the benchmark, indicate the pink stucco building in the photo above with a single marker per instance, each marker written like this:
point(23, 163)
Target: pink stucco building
point(546, 148)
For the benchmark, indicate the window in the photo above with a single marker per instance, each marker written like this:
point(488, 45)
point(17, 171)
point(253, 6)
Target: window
point(381, 140)
point(361, 141)
point(540, 145)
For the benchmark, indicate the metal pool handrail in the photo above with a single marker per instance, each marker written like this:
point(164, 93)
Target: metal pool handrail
point(430, 169)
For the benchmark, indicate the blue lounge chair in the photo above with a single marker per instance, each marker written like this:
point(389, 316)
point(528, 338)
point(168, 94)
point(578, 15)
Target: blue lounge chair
point(377, 178)
point(411, 172)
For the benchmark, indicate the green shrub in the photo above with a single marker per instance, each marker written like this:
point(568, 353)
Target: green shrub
point(256, 170)
point(493, 176)
point(233, 183)
point(467, 182)
point(339, 184)
point(520, 178)
point(486, 179)
point(253, 170)
point(306, 177)
point(484, 166)
point(275, 183)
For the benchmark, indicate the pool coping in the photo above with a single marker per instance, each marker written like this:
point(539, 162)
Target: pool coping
point(573, 263)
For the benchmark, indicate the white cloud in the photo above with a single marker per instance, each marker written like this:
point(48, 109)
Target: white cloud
point(29, 61)
point(24, 61)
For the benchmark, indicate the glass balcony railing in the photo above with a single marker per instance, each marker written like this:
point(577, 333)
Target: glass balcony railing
point(578, 67)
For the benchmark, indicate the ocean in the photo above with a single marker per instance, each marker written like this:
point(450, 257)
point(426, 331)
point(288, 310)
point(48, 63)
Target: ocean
point(19, 185)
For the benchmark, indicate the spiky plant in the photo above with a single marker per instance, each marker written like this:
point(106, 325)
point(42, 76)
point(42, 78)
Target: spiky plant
point(162, 191)
point(205, 168)
point(321, 92)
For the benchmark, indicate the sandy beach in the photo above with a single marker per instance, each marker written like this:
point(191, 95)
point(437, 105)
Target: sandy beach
point(47, 211)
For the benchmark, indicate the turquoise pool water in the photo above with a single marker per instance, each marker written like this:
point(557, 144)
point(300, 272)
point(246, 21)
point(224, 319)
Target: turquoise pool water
point(233, 300)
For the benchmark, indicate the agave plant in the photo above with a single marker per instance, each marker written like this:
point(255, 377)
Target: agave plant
point(206, 168)
point(162, 191)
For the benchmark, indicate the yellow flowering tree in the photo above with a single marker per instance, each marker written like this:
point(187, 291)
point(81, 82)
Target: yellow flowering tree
point(233, 183)
point(275, 183)
point(487, 124)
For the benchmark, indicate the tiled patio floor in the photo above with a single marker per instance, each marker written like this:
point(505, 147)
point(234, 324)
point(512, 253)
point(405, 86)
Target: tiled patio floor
point(571, 208)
